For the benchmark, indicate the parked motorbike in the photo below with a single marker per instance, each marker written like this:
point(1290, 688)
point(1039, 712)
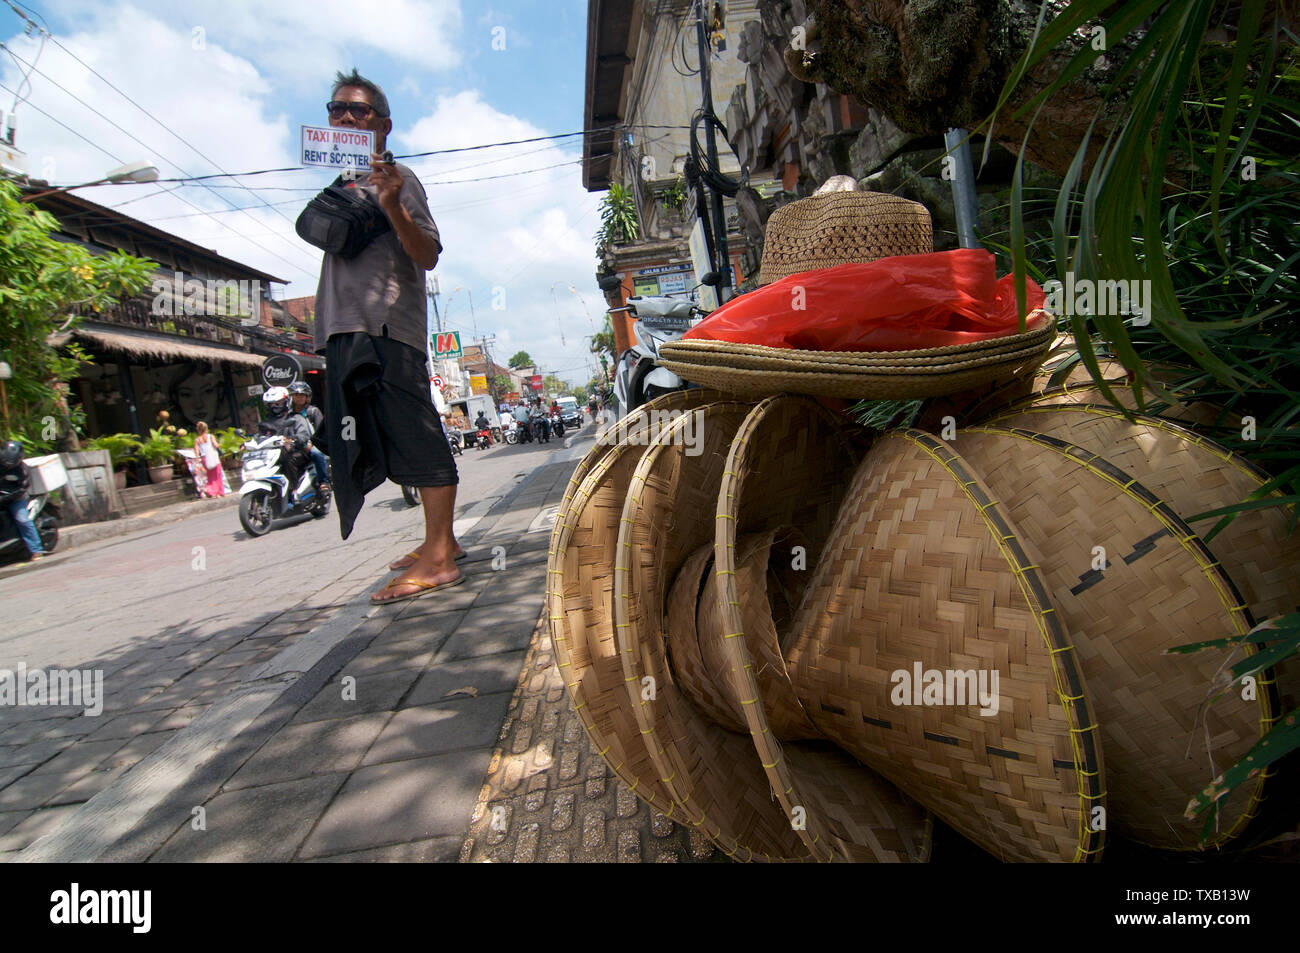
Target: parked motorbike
point(639, 377)
point(264, 495)
point(44, 515)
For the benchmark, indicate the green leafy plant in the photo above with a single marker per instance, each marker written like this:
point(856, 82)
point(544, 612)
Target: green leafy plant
point(618, 220)
point(122, 447)
point(1196, 191)
point(160, 448)
point(674, 197)
point(44, 285)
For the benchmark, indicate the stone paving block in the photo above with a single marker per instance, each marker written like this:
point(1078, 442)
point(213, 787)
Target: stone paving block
point(629, 847)
point(518, 584)
point(265, 823)
point(11, 819)
point(388, 658)
point(436, 850)
point(68, 726)
point(36, 825)
point(127, 726)
point(438, 729)
point(489, 674)
point(421, 630)
point(179, 717)
point(60, 772)
point(310, 748)
point(492, 630)
point(399, 802)
point(104, 773)
point(380, 692)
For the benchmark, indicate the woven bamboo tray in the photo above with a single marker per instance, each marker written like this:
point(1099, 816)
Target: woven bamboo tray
point(712, 774)
point(1193, 475)
point(924, 566)
point(845, 810)
point(1160, 587)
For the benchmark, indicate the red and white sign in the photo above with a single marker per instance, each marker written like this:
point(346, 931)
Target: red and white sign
point(535, 382)
point(337, 148)
point(436, 381)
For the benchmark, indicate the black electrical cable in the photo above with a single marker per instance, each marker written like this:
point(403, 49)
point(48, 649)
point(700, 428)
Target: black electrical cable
point(713, 177)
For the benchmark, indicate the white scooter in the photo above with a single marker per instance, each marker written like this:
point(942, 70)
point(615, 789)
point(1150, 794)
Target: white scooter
point(639, 377)
point(264, 495)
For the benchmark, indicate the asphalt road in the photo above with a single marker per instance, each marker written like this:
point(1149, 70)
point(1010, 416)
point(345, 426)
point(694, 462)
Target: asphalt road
point(205, 573)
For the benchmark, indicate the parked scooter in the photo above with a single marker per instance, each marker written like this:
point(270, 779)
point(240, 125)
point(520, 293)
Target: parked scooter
point(44, 515)
point(639, 377)
point(264, 495)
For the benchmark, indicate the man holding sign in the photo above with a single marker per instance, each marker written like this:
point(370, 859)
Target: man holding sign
point(371, 324)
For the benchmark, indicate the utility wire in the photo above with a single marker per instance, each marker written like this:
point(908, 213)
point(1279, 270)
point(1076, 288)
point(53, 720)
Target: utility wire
point(146, 146)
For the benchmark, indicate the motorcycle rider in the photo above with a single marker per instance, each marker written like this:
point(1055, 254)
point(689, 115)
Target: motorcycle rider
point(281, 422)
point(300, 394)
point(481, 423)
point(14, 482)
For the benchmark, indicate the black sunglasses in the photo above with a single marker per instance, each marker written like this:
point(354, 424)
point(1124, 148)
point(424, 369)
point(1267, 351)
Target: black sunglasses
point(359, 110)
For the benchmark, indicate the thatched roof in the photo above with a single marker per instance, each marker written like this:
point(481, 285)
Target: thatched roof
point(145, 344)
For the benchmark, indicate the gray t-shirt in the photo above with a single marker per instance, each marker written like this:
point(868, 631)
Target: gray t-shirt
point(381, 287)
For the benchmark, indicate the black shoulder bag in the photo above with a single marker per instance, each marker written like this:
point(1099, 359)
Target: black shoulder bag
point(342, 221)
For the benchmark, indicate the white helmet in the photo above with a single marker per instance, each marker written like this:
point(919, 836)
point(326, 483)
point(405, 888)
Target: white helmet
point(276, 400)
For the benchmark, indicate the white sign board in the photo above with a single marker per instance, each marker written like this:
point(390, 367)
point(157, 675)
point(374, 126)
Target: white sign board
point(337, 148)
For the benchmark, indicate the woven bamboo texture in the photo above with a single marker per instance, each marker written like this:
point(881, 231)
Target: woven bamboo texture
point(755, 371)
point(1160, 587)
point(845, 808)
point(923, 566)
point(711, 773)
point(836, 228)
point(1193, 475)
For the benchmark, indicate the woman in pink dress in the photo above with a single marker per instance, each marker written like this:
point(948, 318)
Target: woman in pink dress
point(208, 462)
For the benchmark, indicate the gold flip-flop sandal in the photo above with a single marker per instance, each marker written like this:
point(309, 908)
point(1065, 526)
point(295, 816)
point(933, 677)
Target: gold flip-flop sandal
point(425, 588)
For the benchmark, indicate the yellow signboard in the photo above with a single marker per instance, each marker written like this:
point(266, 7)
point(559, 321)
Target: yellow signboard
point(478, 382)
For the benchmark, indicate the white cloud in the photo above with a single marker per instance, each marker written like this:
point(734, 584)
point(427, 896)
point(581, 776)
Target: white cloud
point(237, 99)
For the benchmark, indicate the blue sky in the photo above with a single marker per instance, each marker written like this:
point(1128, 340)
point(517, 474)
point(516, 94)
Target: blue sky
point(235, 79)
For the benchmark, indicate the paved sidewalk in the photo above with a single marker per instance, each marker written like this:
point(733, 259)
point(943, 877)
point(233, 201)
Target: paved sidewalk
point(350, 732)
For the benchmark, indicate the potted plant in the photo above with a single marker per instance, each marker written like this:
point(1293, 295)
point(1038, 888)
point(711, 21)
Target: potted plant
point(122, 449)
point(230, 442)
point(157, 452)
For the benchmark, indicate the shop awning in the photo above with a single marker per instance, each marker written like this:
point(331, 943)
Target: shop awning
point(145, 344)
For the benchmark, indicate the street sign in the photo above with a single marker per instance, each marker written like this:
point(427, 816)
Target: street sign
point(437, 381)
point(281, 370)
point(337, 149)
point(446, 344)
point(479, 383)
point(535, 382)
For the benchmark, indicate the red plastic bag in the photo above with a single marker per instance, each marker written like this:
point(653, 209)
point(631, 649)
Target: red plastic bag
point(903, 303)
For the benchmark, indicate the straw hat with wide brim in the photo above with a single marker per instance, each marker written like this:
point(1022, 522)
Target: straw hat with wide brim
point(1158, 586)
point(580, 596)
point(925, 569)
point(838, 227)
point(709, 772)
point(753, 371)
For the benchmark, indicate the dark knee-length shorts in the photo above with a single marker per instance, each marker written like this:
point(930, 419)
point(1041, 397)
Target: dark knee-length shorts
point(409, 431)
